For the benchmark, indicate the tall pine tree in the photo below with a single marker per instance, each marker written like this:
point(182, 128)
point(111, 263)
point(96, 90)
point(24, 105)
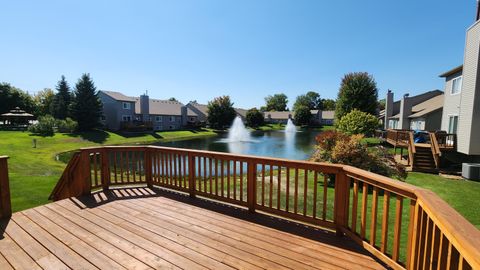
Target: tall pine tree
point(86, 106)
point(61, 103)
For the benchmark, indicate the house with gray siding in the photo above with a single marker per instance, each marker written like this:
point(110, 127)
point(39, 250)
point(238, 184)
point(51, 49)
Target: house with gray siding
point(420, 112)
point(461, 113)
point(123, 112)
point(201, 110)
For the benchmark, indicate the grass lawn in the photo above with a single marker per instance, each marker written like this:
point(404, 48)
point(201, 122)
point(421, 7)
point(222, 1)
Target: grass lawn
point(35, 171)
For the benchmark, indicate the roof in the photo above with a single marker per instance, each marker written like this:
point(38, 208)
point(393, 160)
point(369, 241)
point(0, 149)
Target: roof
point(241, 112)
point(118, 96)
point(451, 72)
point(424, 108)
point(163, 107)
point(415, 99)
point(328, 114)
point(201, 107)
point(17, 112)
point(279, 115)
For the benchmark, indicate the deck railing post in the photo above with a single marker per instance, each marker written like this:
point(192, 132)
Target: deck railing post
point(340, 206)
point(85, 172)
point(251, 186)
point(105, 169)
point(5, 203)
point(148, 166)
point(191, 175)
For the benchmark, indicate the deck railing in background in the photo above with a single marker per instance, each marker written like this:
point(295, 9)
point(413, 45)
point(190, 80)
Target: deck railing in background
point(403, 225)
point(5, 204)
point(446, 141)
point(435, 149)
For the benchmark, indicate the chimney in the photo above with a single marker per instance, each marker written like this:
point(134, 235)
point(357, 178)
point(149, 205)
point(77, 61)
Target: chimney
point(145, 107)
point(184, 111)
point(405, 111)
point(388, 108)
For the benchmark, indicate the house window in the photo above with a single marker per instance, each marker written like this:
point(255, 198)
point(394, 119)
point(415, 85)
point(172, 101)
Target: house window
point(392, 124)
point(172, 118)
point(456, 85)
point(452, 124)
point(126, 118)
point(126, 106)
point(158, 119)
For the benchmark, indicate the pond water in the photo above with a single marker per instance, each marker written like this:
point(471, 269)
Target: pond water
point(279, 144)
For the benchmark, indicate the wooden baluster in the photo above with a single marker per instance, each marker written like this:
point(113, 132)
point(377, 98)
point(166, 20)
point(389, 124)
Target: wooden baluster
point(363, 220)
point(435, 247)
point(271, 187)
point(191, 175)
point(386, 208)
point(210, 174)
point(279, 187)
point(295, 194)
point(288, 189)
point(147, 167)
point(251, 186)
point(199, 159)
point(134, 166)
point(105, 169)
point(263, 185)
point(315, 187)
point(174, 168)
point(354, 205)
point(85, 172)
point(373, 225)
point(234, 179)
point(421, 240)
point(228, 178)
point(428, 241)
point(5, 203)
point(185, 175)
point(305, 190)
point(205, 174)
point(241, 181)
point(216, 177)
point(115, 166)
point(397, 228)
point(222, 176)
point(340, 206)
point(325, 194)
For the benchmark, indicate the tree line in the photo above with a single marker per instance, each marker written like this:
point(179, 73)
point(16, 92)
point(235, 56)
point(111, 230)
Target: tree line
point(80, 104)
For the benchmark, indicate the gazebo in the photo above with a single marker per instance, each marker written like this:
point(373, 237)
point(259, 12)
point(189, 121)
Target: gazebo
point(16, 118)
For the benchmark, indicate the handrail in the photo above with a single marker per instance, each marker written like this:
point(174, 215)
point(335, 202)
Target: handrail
point(5, 203)
point(411, 149)
point(435, 149)
point(433, 232)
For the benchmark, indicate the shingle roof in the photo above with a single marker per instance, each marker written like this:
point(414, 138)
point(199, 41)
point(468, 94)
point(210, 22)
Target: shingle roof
point(118, 96)
point(201, 107)
point(427, 107)
point(163, 107)
point(451, 72)
point(279, 115)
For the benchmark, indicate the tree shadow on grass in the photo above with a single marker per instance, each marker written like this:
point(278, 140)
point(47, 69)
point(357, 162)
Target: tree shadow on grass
point(96, 136)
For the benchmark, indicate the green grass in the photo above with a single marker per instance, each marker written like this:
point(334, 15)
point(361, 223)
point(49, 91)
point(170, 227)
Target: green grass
point(34, 172)
point(269, 127)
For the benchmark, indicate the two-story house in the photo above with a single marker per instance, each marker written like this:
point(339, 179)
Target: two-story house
point(461, 113)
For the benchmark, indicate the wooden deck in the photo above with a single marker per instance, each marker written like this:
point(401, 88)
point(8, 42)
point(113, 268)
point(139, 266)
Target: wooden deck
point(140, 228)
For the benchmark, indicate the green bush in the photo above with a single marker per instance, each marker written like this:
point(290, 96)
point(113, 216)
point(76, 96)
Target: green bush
point(44, 126)
point(254, 118)
point(340, 148)
point(358, 122)
point(66, 126)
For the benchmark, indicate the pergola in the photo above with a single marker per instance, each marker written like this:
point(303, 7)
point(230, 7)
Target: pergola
point(16, 117)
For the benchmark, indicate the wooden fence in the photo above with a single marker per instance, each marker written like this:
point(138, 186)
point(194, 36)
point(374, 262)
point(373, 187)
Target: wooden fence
point(5, 205)
point(405, 226)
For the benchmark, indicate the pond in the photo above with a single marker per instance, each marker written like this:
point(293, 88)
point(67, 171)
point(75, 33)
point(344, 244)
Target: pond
point(278, 144)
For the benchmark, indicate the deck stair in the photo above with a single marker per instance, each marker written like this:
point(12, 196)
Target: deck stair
point(423, 159)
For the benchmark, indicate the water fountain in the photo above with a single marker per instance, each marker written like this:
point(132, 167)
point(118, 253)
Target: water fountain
point(238, 132)
point(290, 126)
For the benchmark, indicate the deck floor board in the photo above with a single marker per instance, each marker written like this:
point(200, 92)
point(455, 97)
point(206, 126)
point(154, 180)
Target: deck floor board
point(140, 228)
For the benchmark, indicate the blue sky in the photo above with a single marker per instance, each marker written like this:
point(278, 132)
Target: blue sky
point(199, 49)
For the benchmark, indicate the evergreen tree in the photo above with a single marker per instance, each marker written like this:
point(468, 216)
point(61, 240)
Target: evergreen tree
point(358, 90)
point(62, 100)
point(86, 106)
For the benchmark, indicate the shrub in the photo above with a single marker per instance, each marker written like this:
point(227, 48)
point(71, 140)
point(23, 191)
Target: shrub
point(254, 118)
point(302, 115)
point(44, 126)
point(358, 122)
point(337, 147)
point(66, 126)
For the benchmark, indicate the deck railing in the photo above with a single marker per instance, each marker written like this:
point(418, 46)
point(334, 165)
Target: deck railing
point(405, 226)
point(398, 137)
point(5, 205)
point(435, 149)
point(446, 141)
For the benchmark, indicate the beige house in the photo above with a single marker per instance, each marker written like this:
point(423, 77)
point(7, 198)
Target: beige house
point(201, 110)
point(420, 112)
point(319, 117)
point(461, 114)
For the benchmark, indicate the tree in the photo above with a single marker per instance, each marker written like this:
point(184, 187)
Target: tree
point(357, 122)
point(254, 118)
point(310, 100)
point(173, 99)
point(220, 112)
point(11, 97)
point(328, 104)
point(86, 106)
point(61, 103)
point(277, 102)
point(43, 101)
point(302, 115)
point(358, 90)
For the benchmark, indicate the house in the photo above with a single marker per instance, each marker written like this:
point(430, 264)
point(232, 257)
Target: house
point(319, 117)
point(420, 112)
point(201, 110)
point(123, 112)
